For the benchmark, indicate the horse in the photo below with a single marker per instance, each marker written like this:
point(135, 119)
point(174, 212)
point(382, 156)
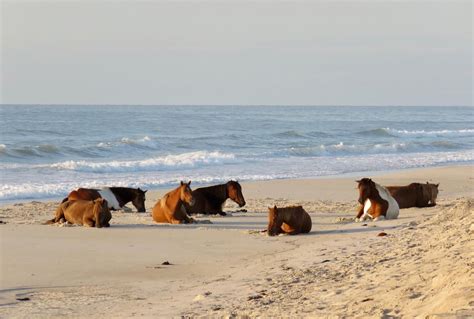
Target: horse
point(90, 213)
point(170, 208)
point(430, 192)
point(288, 220)
point(414, 195)
point(209, 200)
point(375, 201)
point(116, 197)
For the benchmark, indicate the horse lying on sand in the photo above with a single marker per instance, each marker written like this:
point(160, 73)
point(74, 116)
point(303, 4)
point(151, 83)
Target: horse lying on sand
point(116, 197)
point(170, 208)
point(375, 201)
point(288, 220)
point(430, 191)
point(415, 195)
point(209, 200)
point(88, 213)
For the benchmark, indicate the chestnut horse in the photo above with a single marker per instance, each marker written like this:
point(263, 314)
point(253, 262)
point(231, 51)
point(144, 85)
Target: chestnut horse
point(414, 195)
point(89, 213)
point(288, 220)
point(170, 208)
point(116, 197)
point(375, 201)
point(209, 200)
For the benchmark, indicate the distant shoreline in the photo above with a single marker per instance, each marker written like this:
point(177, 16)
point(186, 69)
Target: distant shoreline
point(373, 174)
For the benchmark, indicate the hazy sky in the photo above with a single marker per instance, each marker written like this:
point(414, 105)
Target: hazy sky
point(305, 53)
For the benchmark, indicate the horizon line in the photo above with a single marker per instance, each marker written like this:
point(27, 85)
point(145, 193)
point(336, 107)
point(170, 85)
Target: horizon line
point(231, 105)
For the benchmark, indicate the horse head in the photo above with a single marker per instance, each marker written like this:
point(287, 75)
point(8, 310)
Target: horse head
point(186, 194)
point(366, 189)
point(101, 211)
point(431, 191)
point(234, 191)
point(139, 200)
point(274, 223)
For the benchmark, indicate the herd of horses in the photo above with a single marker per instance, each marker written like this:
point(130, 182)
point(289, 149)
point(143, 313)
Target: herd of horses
point(91, 207)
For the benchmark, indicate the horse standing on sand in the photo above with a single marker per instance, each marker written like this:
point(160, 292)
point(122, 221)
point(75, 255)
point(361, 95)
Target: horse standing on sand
point(376, 201)
point(288, 220)
point(88, 213)
point(209, 200)
point(414, 195)
point(170, 208)
point(116, 197)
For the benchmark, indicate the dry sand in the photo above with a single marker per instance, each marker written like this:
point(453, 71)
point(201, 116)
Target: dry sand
point(423, 268)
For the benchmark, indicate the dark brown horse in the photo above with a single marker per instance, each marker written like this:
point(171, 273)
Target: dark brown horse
point(430, 192)
point(89, 213)
point(288, 220)
point(375, 201)
point(170, 208)
point(209, 200)
point(414, 195)
point(116, 197)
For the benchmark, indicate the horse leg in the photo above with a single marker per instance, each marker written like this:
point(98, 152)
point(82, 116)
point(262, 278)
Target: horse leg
point(360, 212)
point(88, 222)
point(377, 212)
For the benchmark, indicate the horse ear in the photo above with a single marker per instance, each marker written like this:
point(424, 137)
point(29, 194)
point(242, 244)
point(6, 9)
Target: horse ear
point(145, 191)
point(357, 181)
point(181, 183)
point(189, 183)
point(437, 185)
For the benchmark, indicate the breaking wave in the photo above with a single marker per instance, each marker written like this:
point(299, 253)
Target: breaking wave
point(192, 159)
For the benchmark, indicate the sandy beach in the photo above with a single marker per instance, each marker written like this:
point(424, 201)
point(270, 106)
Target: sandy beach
point(342, 269)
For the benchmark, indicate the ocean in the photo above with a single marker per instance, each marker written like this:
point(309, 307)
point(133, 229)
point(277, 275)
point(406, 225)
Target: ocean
point(46, 151)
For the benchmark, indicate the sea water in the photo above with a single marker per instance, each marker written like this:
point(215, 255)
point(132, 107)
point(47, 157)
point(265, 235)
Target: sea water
point(46, 151)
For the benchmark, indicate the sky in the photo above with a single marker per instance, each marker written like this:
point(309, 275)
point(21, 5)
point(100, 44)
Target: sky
point(237, 53)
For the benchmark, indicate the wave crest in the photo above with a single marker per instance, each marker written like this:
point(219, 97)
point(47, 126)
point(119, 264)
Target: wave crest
point(192, 159)
point(387, 131)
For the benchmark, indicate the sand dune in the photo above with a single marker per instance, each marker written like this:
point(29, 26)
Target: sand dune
point(422, 268)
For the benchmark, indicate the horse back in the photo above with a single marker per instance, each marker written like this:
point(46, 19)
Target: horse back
point(83, 194)
point(297, 218)
point(207, 200)
point(407, 196)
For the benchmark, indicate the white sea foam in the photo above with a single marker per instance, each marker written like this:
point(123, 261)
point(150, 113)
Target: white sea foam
point(191, 159)
point(257, 169)
point(435, 132)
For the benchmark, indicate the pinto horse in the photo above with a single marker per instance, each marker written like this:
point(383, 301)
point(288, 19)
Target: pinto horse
point(170, 208)
point(375, 201)
point(116, 197)
point(89, 213)
point(414, 195)
point(209, 200)
point(288, 220)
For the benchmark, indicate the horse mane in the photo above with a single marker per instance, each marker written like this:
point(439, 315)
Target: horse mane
point(96, 207)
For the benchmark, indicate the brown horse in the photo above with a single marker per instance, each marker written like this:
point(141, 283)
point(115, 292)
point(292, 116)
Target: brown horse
point(170, 208)
point(83, 212)
point(209, 200)
point(375, 201)
point(288, 220)
point(430, 192)
point(414, 195)
point(116, 197)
